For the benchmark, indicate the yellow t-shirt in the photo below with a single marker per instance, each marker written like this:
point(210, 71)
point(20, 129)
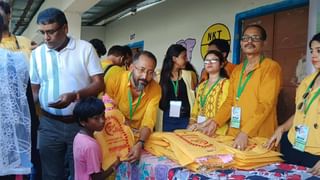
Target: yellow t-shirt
point(312, 117)
point(17, 43)
point(105, 63)
point(258, 101)
point(214, 101)
point(118, 86)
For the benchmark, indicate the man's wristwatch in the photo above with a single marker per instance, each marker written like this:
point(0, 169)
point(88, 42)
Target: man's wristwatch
point(142, 142)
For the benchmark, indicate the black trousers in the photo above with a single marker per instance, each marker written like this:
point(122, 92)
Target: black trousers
point(293, 156)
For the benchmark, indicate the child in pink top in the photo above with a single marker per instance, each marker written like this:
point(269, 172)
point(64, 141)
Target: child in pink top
point(87, 155)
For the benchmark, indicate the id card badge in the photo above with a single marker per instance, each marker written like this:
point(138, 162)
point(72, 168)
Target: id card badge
point(201, 119)
point(175, 108)
point(300, 142)
point(235, 117)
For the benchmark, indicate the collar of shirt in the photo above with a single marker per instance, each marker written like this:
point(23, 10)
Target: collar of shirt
point(71, 45)
point(255, 67)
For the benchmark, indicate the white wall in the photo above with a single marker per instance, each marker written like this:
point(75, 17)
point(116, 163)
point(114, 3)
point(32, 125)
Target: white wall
point(172, 20)
point(91, 32)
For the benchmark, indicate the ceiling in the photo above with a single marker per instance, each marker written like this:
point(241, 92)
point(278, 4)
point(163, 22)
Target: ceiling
point(104, 12)
point(22, 13)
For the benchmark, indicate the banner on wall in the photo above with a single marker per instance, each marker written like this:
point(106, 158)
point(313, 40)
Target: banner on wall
point(136, 47)
point(215, 31)
point(189, 44)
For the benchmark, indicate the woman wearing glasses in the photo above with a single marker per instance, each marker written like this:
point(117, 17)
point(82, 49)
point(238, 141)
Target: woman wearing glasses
point(210, 93)
point(299, 135)
point(177, 89)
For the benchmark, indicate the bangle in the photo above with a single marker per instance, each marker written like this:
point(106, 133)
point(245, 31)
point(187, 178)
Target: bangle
point(142, 142)
point(77, 96)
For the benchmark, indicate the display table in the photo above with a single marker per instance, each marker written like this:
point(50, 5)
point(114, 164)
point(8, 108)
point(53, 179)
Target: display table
point(160, 168)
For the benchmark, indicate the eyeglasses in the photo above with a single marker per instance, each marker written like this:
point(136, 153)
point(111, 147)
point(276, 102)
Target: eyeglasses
point(254, 38)
point(49, 32)
point(210, 61)
point(144, 70)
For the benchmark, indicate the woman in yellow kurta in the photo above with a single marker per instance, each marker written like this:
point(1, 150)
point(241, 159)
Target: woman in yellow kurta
point(211, 93)
point(301, 145)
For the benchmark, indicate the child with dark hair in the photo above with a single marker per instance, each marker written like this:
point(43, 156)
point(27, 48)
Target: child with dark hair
point(89, 113)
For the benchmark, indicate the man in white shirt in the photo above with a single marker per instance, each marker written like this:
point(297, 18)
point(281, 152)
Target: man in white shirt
point(62, 70)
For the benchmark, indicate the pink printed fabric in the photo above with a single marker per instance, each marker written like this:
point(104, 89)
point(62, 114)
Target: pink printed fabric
point(161, 168)
point(87, 157)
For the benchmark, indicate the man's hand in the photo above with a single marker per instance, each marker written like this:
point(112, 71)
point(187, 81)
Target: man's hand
point(275, 138)
point(135, 153)
point(208, 127)
point(241, 141)
point(64, 100)
point(315, 170)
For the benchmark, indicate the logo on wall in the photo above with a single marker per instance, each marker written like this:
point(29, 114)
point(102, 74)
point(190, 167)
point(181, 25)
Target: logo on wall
point(189, 45)
point(215, 31)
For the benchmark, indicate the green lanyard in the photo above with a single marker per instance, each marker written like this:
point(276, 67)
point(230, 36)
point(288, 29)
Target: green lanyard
point(175, 87)
point(203, 99)
point(307, 93)
point(132, 111)
point(311, 101)
point(240, 85)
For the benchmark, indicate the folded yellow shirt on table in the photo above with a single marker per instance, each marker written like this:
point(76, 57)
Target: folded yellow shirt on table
point(199, 152)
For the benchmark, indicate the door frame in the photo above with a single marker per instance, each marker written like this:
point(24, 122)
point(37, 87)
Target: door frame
point(260, 11)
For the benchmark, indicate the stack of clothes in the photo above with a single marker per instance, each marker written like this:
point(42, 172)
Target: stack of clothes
point(255, 155)
point(198, 152)
point(193, 150)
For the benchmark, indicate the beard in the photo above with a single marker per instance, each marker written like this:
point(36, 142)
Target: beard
point(139, 83)
point(140, 86)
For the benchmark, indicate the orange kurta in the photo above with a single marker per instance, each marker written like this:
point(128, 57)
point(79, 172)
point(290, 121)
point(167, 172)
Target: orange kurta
point(258, 101)
point(229, 67)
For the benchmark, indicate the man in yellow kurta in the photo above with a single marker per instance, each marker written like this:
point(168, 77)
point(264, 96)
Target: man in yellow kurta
point(253, 93)
point(116, 55)
point(137, 96)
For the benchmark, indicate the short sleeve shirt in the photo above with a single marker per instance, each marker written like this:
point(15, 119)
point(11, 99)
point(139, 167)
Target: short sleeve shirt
point(87, 157)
